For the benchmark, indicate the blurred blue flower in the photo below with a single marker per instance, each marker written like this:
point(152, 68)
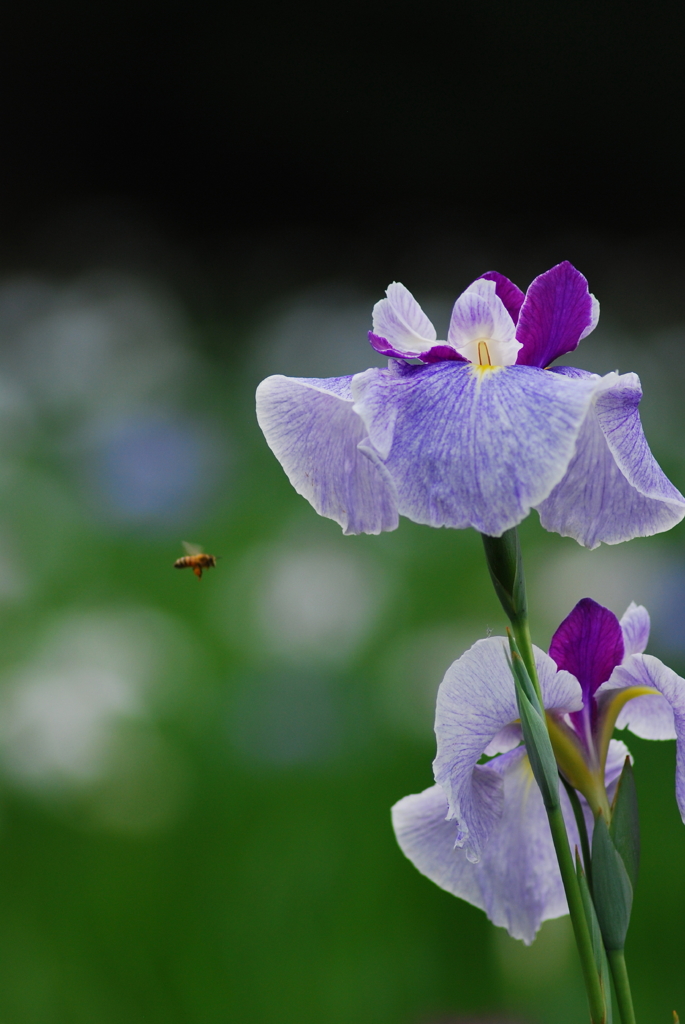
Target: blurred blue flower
point(150, 468)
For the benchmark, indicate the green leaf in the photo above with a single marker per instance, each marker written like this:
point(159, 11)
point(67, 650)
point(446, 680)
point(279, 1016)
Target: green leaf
point(601, 962)
point(625, 824)
point(611, 886)
point(535, 734)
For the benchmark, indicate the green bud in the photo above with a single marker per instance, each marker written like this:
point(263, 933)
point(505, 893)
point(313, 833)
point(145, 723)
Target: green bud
point(505, 564)
point(625, 824)
point(612, 888)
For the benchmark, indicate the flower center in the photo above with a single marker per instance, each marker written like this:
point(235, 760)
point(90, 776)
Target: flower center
point(483, 353)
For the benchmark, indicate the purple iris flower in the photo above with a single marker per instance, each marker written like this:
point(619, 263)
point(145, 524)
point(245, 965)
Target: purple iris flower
point(482, 832)
point(480, 431)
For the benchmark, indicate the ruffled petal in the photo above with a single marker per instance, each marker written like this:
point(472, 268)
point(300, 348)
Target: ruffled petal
point(653, 717)
point(614, 489)
point(516, 881)
point(480, 315)
point(476, 700)
point(511, 296)
point(635, 625)
point(319, 440)
point(650, 717)
point(428, 840)
point(402, 329)
point(558, 311)
point(471, 447)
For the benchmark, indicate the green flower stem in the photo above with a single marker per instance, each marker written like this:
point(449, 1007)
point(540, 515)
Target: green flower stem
point(505, 563)
point(619, 972)
point(582, 829)
point(581, 930)
point(524, 643)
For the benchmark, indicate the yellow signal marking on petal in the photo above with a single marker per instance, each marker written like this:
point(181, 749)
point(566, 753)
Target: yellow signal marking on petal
point(611, 712)
point(484, 354)
point(481, 372)
point(571, 759)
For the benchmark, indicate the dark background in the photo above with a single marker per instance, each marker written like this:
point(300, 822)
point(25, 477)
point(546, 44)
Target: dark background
point(381, 119)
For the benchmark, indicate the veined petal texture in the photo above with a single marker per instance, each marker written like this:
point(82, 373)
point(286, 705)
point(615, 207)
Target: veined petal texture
point(471, 447)
point(557, 313)
point(400, 326)
point(516, 881)
point(476, 700)
point(589, 644)
point(614, 488)
point(635, 625)
point(480, 315)
point(510, 294)
point(313, 431)
point(654, 717)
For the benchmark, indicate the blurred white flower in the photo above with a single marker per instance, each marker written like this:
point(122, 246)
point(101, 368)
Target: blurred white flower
point(57, 726)
point(319, 334)
point(66, 714)
point(303, 605)
point(324, 333)
point(613, 575)
point(106, 341)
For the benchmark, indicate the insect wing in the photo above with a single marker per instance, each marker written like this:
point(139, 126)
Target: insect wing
point(192, 549)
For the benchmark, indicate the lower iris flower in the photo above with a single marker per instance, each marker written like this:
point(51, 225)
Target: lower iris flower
point(482, 832)
point(481, 430)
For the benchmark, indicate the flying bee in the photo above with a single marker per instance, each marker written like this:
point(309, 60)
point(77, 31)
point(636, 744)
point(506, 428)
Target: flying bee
point(195, 559)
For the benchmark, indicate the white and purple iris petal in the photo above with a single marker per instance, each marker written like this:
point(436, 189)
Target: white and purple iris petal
point(481, 832)
point(480, 431)
point(516, 881)
point(319, 441)
point(659, 715)
point(606, 657)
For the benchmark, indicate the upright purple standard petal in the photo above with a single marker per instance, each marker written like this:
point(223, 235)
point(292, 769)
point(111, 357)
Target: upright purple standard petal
point(588, 644)
point(511, 296)
point(558, 311)
point(312, 430)
point(476, 700)
point(471, 447)
point(614, 489)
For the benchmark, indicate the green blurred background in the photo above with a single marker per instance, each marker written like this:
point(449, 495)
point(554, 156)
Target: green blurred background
point(196, 776)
